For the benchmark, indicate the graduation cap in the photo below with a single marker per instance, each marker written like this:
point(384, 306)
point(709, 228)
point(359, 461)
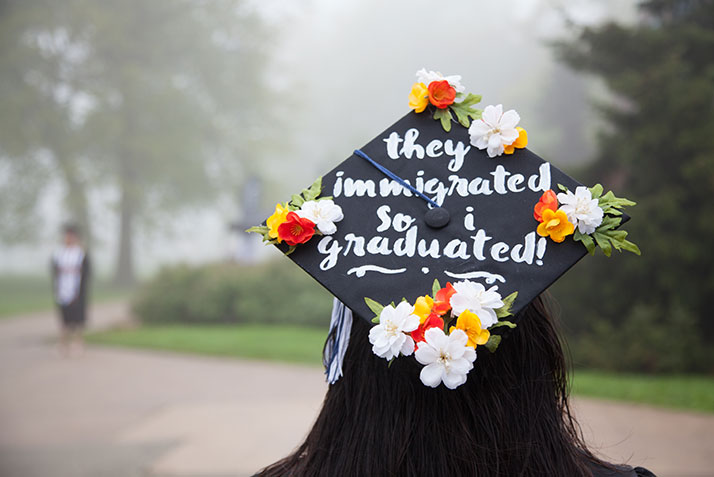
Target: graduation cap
point(447, 194)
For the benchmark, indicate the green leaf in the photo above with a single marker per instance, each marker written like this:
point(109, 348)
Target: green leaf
point(290, 250)
point(492, 343)
point(313, 191)
point(505, 310)
point(596, 191)
point(259, 229)
point(586, 240)
point(390, 363)
point(470, 100)
point(630, 247)
point(609, 223)
point(603, 242)
point(510, 324)
point(296, 200)
point(562, 187)
point(444, 115)
point(375, 320)
point(616, 201)
point(374, 306)
point(465, 111)
point(435, 287)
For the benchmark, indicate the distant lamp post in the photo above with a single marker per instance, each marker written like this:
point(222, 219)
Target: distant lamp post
point(246, 247)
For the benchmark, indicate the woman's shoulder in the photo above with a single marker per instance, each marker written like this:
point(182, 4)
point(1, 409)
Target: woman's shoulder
point(619, 471)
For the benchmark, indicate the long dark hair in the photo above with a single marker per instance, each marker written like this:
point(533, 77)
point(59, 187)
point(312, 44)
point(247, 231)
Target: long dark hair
point(511, 418)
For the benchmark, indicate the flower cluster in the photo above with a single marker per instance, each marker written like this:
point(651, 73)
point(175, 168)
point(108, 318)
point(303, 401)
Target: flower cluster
point(498, 132)
point(443, 330)
point(298, 220)
point(587, 214)
point(492, 129)
point(442, 92)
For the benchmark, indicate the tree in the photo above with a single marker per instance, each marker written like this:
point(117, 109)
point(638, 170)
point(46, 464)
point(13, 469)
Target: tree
point(160, 102)
point(657, 148)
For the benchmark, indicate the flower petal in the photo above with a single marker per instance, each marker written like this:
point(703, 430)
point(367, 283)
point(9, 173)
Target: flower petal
point(492, 115)
point(407, 346)
point(510, 120)
point(453, 380)
point(431, 374)
point(426, 353)
point(436, 338)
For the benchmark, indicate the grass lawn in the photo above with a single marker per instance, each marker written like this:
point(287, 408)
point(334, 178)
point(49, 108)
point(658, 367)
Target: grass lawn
point(304, 345)
point(25, 294)
point(694, 393)
point(293, 344)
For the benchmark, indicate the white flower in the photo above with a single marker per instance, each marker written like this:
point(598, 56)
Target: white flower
point(474, 297)
point(389, 337)
point(324, 213)
point(494, 130)
point(582, 210)
point(446, 358)
point(426, 77)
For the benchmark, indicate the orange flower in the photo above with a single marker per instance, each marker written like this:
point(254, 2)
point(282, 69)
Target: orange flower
point(418, 97)
point(442, 299)
point(471, 324)
point(556, 225)
point(296, 230)
point(520, 142)
point(547, 201)
point(441, 94)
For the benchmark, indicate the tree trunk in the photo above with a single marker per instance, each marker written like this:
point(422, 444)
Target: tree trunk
point(76, 198)
point(124, 275)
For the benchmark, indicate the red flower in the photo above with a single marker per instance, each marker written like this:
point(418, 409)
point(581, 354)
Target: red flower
point(432, 321)
point(547, 201)
point(441, 94)
point(295, 229)
point(442, 299)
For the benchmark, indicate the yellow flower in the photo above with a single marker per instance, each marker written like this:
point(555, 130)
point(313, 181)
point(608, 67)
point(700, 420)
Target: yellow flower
point(471, 324)
point(274, 221)
point(520, 142)
point(419, 97)
point(422, 307)
point(556, 225)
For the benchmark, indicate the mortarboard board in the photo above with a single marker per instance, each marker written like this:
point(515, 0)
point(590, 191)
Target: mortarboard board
point(448, 194)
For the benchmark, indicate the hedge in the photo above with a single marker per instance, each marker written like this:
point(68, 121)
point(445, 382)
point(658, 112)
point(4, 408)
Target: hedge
point(276, 292)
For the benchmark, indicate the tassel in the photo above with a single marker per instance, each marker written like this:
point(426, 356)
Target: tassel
point(337, 341)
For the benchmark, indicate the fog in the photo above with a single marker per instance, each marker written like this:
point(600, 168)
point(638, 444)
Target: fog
point(338, 73)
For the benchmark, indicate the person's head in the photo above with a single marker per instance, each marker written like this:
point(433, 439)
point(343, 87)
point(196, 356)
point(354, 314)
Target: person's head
point(510, 418)
point(70, 234)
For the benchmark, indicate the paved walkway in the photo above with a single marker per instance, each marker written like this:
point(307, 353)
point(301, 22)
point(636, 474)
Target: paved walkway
point(123, 413)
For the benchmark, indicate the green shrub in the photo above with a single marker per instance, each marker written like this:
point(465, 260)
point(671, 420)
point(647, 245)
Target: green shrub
point(641, 342)
point(276, 292)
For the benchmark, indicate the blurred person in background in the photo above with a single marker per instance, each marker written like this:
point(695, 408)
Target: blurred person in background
point(70, 276)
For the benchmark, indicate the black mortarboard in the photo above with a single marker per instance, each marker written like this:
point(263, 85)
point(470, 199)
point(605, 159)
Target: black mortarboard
point(432, 199)
point(448, 193)
point(384, 247)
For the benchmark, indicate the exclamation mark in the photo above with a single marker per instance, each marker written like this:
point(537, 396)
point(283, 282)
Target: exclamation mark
point(541, 250)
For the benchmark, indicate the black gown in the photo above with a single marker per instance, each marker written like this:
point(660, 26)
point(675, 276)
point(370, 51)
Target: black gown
point(620, 471)
point(74, 314)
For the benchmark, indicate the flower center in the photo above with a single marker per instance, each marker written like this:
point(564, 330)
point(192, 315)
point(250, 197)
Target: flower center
point(444, 359)
point(296, 230)
point(391, 328)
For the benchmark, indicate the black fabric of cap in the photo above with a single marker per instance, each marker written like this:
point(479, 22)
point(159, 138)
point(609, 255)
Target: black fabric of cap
point(391, 244)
